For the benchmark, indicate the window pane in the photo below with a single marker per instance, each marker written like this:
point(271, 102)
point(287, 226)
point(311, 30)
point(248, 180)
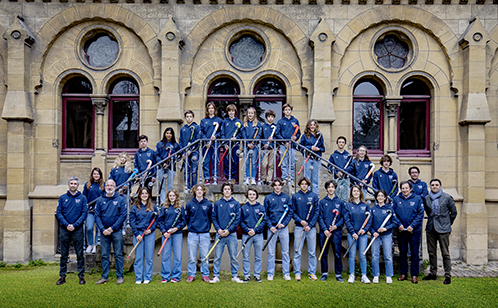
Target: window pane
point(101, 51)
point(247, 52)
point(270, 87)
point(263, 106)
point(367, 88)
point(78, 85)
point(125, 124)
point(79, 124)
point(125, 87)
point(412, 126)
point(366, 125)
point(223, 87)
point(414, 87)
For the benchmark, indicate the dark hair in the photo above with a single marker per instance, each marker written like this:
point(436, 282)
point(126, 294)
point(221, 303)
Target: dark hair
point(413, 167)
point(362, 197)
point(279, 180)
point(436, 180)
point(252, 189)
point(226, 184)
point(331, 182)
point(339, 138)
point(406, 182)
point(287, 105)
point(380, 191)
point(386, 158)
point(270, 113)
point(143, 137)
point(189, 112)
point(164, 140)
point(304, 179)
point(91, 181)
point(138, 200)
point(207, 107)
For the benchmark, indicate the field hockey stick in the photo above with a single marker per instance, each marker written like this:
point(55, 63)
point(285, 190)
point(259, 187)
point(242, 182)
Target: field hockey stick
point(336, 212)
point(192, 129)
point(316, 143)
point(310, 208)
point(210, 141)
point(372, 167)
point(144, 176)
point(274, 128)
point(154, 215)
point(293, 135)
point(261, 216)
point(178, 213)
point(381, 226)
point(279, 222)
point(362, 226)
point(394, 182)
point(219, 237)
point(233, 136)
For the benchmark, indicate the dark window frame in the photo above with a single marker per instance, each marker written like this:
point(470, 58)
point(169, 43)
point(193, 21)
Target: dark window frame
point(270, 98)
point(415, 152)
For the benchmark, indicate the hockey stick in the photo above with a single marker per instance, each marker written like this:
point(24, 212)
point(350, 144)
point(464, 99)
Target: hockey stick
point(179, 212)
point(219, 237)
point(261, 216)
point(382, 226)
point(326, 240)
point(309, 154)
point(234, 134)
point(279, 222)
point(363, 226)
point(293, 135)
point(210, 141)
point(143, 234)
point(310, 208)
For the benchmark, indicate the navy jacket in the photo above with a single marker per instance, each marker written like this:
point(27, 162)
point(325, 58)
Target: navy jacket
point(355, 216)
point(274, 205)
point(409, 211)
point(169, 150)
point(360, 168)
point(207, 127)
point(72, 210)
point(249, 216)
point(186, 136)
point(93, 193)
point(141, 219)
point(285, 128)
point(110, 212)
point(141, 158)
point(383, 180)
point(326, 215)
point(119, 175)
point(420, 188)
point(267, 130)
point(379, 214)
point(221, 214)
point(249, 131)
point(168, 215)
point(228, 128)
point(198, 215)
point(340, 159)
point(309, 142)
point(300, 207)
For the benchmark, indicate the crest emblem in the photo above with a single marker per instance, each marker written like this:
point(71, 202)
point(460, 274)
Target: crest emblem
point(204, 207)
point(232, 205)
point(384, 212)
point(363, 208)
point(283, 199)
point(310, 199)
point(148, 154)
point(115, 202)
point(412, 203)
point(77, 200)
point(256, 211)
point(419, 186)
point(390, 177)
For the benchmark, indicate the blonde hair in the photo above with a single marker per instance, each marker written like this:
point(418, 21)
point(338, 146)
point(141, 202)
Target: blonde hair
point(366, 153)
point(128, 165)
point(167, 203)
point(307, 130)
point(246, 118)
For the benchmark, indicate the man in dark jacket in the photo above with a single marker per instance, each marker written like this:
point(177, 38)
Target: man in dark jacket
point(71, 212)
point(441, 210)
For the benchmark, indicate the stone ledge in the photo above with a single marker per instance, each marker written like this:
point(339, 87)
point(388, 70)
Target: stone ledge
point(48, 191)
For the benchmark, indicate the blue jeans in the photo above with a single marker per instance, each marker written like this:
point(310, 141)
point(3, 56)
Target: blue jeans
point(251, 162)
point(143, 257)
point(201, 241)
point(211, 157)
point(257, 241)
point(313, 175)
point(387, 248)
point(283, 234)
point(165, 184)
point(234, 164)
point(89, 225)
point(336, 242)
point(412, 239)
point(288, 166)
point(342, 190)
point(172, 247)
point(310, 238)
point(231, 242)
point(65, 238)
point(362, 245)
point(191, 167)
point(116, 238)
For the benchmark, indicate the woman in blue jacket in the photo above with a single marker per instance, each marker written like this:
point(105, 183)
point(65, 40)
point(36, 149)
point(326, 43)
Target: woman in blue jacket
point(165, 148)
point(92, 190)
point(141, 215)
point(211, 129)
point(354, 217)
point(122, 169)
point(362, 168)
point(252, 130)
point(312, 140)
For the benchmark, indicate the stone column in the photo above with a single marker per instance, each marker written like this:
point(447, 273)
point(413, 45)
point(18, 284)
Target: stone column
point(391, 104)
point(100, 102)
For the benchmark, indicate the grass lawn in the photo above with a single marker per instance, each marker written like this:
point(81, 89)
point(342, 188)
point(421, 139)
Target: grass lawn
point(36, 288)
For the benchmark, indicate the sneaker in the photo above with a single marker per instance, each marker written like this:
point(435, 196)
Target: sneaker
point(298, 277)
point(138, 282)
point(339, 279)
point(323, 278)
point(247, 279)
point(287, 277)
point(205, 278)
point(88, 249)
point(269, 278)
point(246, 181)
point(214, 280)
point(94, 249)
point(124, 232)
point(257, 279)
point(447, 280)
point(61, 280)
point(163, 281)
point(237, 279)
point(102, 281)
point(82, 280)
point(253, 181)
point(190, 278)
point(119, 281)
point(146, 281)
point(376, 279)
point(351, 278)
point(186, 191)
point(365, 279)
point(313, 277)
point(389, 280)
point(174, 280)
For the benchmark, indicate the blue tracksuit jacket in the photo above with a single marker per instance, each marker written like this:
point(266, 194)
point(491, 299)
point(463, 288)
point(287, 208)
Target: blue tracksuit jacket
point(198, 215)
point(309, 142)
point(326, 216)
point(186, 136)
point(360, 168)
point(274, 205)
point(300, 207)
point(285, 128)
point(207, 127)
point(249, 216)
point(379, 214)
point(72, 210)
point(141, 219)
point(409, 211)
point(93, 193)
point(420, 188)
point(168, 215)
point(340, 159)
point(384, 180)
point(355, 216)
point(249, 131)
point(141, 158)
point(228, 128)
point(110, 212)
point(267, 130)
point(221, 214)
point(119, 175)
point(170, 149)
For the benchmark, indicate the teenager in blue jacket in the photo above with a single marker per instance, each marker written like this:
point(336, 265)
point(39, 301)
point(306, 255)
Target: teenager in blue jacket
point(250, 214)
point(419, 187)
point(312, 140)
point(142, 213)
point(189, 133)
point(304, 202)
point(328, 205)
point(342, 159)
point(288, 128)
point(385, 178)
point(409, 210)
point(355, 215)
point(251, 130)
point(231, 129)
point(122, 169)
point(165, 148)
point(362, 168)
point(142, 158)
point(171, 221)
point(211, 129)
point(92, 190)
point(267, 157)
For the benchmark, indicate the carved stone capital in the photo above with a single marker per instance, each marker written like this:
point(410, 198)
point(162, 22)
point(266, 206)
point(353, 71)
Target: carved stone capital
point(392, 104)
point(100, 102)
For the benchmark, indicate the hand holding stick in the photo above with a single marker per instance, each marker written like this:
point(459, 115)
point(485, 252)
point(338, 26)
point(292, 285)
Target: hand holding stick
point(261, 216)
point(336, 212)
point(178, 214)
point(382, 226)
point(279, 222)
point(310, 208)
point(362, 226)
point(143, 234)
point(219, 238)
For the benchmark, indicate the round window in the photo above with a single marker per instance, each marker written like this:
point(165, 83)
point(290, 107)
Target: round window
point(393, 51)
point(247, 50)
point(99, 49)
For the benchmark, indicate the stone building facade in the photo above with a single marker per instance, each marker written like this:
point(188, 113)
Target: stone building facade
point(417, 80)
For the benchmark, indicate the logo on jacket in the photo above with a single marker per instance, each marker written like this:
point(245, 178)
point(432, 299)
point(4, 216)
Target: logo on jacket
point(77, 200)
point(412, 203)
point(232, 205)
point(204, 207)
point(384, 212)
point(337, 205)
point(363, 208)
point(115, 202)
point(390, 177)
point(148, 154)
point(419, 186)
point(283, 199)
point(366, 166)
point(310, 199)
point(255, 211)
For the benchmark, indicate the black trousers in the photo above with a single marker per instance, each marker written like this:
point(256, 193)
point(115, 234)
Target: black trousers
point(77, 237)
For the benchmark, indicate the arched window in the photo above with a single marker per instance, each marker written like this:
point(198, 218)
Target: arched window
point(413, 118)
point(123, 114)
point(222, 93)
point(77, 117)
point(367, 119)
point(269, 94)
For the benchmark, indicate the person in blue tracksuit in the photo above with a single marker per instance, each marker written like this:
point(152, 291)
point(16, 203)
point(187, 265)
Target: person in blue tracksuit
point(171, 221)
point(142, 158)
point(231, 128)
point(342, 159)
point(385, 178)
point(250, 214)
point(354, 217)
point(142, 213)
point(304, 202)
point(288, 128)
point(312, 140)
point(122, 169)
point(110, 213)
point(198, 213)
point(92, 190)
point(332, 231)
point(210, 129)
point(362, 168)
point(165, 148)
point(267, 159)
point(274, 206)
point(252, 130)
point(383, 235)
point(419, 187)
point(409, 210)
point(189, 133)
point(223, 212)
point(71, 211)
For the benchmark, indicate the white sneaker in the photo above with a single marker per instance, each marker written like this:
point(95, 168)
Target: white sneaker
point(186, 191)
point(376, 279)
point(298, 277)
point(138, 282)
point(124, 232)
point(269, 278)
point(214, 280)
point(94, 249)
point(287, 277)
point(146, 281)
point(253, 181)
point(246, 181)
point(365, 279)
point(237, 279)
point(389, 280)
point(88, 249)
point(351, 278)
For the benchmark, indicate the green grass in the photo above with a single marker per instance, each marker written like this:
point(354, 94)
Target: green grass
point(36, 288)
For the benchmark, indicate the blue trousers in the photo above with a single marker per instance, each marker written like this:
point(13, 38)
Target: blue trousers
point(335, 241)
point(172, 250)
point(144, 257)
point(116, 238)
point(406, 239)
point(257, 241)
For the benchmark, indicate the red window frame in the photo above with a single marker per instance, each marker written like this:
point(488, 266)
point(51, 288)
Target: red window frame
point(113, 98)
point(76, 151)
point(414, 152)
